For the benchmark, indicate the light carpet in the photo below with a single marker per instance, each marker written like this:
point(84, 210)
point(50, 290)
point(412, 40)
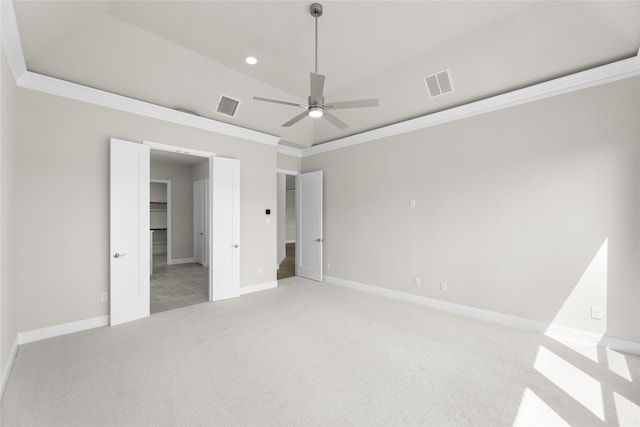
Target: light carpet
point(307, 353)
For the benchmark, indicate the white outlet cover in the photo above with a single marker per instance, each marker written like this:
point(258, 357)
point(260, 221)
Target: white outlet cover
point(597, 313)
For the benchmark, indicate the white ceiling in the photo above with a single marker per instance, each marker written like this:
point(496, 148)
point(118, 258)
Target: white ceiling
point(186, 54)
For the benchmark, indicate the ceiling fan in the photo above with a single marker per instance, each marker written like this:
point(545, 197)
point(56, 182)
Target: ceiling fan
point(316, 106)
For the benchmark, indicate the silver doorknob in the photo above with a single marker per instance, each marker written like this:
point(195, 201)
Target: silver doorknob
point(319, 240)
point(235, 246)
point(117, 255)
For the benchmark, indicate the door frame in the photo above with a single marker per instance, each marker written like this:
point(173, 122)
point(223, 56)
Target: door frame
point(209, 196)
point(168, 183)
point(206, 214)
point(295, 207)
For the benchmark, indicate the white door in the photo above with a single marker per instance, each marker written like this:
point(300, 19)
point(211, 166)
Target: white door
point(130, 244)
point(199, 231)
point(224, 269)
point(309, 232)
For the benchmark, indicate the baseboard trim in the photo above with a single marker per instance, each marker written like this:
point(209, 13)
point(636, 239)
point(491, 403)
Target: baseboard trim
point(282, 258)
point(6, 373)
point(553, 331)
point(63, 329)
point(257, 288)
point(182, 261)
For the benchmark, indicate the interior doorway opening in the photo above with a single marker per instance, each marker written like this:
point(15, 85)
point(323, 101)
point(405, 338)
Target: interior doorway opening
point(287, 227)
point(178, 215)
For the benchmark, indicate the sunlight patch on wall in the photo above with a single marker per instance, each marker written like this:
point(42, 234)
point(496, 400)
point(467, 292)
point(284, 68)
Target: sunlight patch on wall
point(577, 384)
point(534, 412)
point(590, 291)
point(628, 412)
point(618, 364)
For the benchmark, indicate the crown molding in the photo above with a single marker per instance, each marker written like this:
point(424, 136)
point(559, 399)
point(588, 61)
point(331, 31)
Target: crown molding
point(289, 151)
point(65, 89)
point(619, 70)
point(11, 40)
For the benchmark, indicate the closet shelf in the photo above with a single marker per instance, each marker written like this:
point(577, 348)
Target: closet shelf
point(158, 229)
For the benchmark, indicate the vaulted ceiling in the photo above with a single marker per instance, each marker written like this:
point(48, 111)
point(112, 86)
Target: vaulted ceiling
point(186, 55)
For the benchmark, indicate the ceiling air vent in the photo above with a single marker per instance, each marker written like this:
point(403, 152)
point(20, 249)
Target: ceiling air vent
point(439, 83)
point(227, 106)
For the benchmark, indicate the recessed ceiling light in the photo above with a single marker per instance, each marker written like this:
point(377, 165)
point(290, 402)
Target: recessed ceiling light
point(251, 60)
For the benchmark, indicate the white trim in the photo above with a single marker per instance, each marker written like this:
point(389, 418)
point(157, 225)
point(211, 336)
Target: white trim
point(6, 373)
point(11, 40)
point(63, 329)
point(287, 172)
point(102, 98)
point(282, 258)
point(178, 149)
point(182, 261)
point(623, 69)
point(289, 151)
point(244, 290)
point(289, 241)
point(554, 331)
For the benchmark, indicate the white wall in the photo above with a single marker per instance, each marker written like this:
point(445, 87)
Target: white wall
point(61, 162)
point(8, 196)
point(532, 211)
point(289, 163)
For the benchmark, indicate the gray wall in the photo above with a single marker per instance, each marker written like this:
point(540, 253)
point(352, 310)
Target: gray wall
point(531, 211)
point(8, 196)
point(61, 162)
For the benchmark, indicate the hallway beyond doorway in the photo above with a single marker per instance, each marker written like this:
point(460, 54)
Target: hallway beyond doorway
point(288, 265)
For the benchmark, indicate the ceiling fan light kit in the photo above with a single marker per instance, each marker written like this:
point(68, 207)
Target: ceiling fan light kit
point(316, 107)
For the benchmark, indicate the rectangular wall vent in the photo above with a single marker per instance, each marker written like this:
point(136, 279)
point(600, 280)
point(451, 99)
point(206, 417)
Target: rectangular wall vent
point(439, 83)
point(227, 106)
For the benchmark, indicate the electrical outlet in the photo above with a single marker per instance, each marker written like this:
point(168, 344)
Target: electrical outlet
point(444, 286)
point(596, 312)
point(412, 203)
point(417, 281)
point(259, 271)
point(104, 297)
point(328, 265)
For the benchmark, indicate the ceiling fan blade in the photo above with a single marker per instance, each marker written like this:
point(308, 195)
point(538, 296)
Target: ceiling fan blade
point(373, 102)
point(296, 119)
point(317, 88)
point(336, 121)
point(277, 101)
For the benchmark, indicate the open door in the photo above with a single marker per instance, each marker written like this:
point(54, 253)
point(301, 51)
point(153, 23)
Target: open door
point(130, 243)
point(309, 227)
point(224, 268)
point(199, 223)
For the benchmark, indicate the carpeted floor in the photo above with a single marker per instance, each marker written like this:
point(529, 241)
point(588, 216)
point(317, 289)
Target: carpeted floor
point(307, 353)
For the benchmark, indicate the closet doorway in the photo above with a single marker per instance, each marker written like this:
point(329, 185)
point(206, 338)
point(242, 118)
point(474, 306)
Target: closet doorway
point(178, 213)
point(287, 230)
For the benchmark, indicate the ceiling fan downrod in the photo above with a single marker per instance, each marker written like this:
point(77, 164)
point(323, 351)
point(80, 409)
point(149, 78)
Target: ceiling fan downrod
point(316, 12)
